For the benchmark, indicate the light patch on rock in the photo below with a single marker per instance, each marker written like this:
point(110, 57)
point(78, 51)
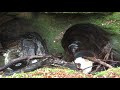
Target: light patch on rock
point(85, 65)
point(18, 64)
point(34, 61)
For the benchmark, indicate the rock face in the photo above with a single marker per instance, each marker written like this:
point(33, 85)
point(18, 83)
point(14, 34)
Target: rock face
point(28, 44)
point(86, 36)
point(84, 40)
point(18, 38)
point(0, 46)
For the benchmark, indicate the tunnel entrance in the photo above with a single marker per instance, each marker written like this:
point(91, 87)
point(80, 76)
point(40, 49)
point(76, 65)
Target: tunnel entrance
point(88, 40)
point(52, 26)
point(19, 39)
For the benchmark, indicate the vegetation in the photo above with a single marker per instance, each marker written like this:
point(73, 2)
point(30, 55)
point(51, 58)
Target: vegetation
point(56, 72)
point(53, 25)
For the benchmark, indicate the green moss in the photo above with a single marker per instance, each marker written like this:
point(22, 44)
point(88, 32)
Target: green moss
point(51, 26)
point(40, 73)
point(116, 71)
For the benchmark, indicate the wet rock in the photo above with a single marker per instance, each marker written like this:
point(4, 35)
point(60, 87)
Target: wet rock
point(28, 44)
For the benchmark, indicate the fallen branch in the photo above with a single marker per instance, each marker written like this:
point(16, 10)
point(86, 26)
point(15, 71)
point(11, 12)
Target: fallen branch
point(99, 61)
point(17, 60)
point(97, 68)
point(47, 60)
point(108, 54)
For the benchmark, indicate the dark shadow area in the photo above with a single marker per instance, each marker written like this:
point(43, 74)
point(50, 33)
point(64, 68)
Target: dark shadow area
point(86, 40)
point(74, 14)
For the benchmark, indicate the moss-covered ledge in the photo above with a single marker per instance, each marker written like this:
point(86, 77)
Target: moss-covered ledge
point(56, 72)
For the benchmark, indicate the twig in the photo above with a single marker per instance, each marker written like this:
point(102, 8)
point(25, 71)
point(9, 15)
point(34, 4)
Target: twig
point(97, 68)
point(44, 60)
point(99, 61)
point(113, 61)
point(17, 60)
point(108, 54)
